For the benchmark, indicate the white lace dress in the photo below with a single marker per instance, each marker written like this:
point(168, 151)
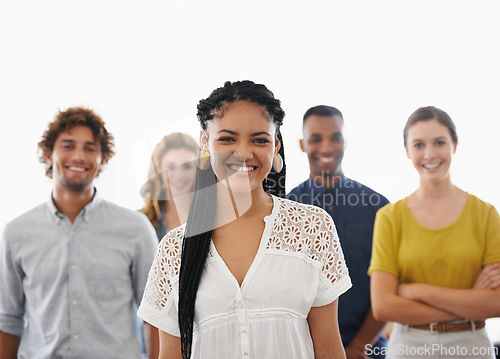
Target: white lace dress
point(299, 265)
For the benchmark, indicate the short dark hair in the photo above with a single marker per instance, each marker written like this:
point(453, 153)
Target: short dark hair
point(66, 120)
point(322, 110)
point(431, 113)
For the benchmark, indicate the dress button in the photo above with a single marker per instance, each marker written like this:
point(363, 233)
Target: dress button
point(246, 355)
point(74, 302)
point(244, 333)
point(75, 337)
point(73, 267)
point(72, 233)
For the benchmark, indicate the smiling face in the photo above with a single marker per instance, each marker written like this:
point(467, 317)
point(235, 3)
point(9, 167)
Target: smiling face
point(241, 144)
point(324, 144)
point(430, 148)
point(76, 159)
point(178, 170)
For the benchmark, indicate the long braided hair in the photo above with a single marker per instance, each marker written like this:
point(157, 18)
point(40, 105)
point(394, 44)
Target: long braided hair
point(201, 217)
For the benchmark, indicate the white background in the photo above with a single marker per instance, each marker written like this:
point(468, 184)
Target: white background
point(143, 66)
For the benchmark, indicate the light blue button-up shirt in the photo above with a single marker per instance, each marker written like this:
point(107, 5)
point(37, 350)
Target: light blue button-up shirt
point(67, 288)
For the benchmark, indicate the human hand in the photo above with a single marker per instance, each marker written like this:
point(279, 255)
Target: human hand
point(352, 352)
point(489, 278)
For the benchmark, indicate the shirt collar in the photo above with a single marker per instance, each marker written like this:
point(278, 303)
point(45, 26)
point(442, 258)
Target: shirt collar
point(321, 189)
point(90, 208)
point(86, 212)
point(315, 187)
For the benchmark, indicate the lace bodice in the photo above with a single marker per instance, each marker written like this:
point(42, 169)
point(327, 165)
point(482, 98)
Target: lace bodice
point(308, 230)
point(298, 265)
point(297, 228)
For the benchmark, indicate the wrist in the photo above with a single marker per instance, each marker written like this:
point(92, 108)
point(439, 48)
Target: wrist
point(358, 344)
point(418, 291)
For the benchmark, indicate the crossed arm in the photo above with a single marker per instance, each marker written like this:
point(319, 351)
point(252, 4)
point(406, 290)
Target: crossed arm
point(479, 303)
point(419, 303)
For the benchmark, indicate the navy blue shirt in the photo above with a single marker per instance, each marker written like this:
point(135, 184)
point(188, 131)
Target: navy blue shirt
point(353, 207)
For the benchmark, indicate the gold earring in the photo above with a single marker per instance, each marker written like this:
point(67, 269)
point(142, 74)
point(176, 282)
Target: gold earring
point(277, 163)
point(203, 160)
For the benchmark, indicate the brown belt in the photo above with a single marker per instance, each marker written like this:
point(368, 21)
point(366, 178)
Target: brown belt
point(450, 326)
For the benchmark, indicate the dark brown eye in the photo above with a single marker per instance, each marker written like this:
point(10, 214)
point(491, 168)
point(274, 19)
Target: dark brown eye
point(337, 138)
point(225, 139)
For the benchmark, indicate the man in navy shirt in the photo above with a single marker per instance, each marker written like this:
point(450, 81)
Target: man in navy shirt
point(353, 207)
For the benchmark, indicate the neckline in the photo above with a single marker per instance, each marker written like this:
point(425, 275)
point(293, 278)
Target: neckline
point(340, 184)
point(268, 224)
point(454, 223)
point(87, 210)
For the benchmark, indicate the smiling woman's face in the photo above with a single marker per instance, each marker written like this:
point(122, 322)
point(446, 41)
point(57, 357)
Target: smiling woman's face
point(241, 143)
point(178, 170)
point(430, 148)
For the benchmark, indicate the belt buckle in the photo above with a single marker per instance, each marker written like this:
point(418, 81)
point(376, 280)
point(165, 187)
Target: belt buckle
point(431, 327)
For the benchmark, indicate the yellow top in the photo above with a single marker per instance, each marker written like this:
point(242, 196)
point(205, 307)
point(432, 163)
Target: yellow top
point(450, 257)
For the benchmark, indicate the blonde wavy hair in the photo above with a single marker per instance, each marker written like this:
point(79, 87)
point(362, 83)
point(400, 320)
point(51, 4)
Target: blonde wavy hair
point(153, 193)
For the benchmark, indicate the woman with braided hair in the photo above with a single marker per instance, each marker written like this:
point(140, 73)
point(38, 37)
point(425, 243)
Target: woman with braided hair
point(251, 274)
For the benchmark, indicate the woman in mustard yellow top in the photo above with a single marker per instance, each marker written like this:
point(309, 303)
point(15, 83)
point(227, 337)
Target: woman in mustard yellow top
point(435, 262)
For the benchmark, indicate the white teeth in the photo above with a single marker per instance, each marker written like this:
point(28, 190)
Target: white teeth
point(79, 169)
point(242, 169)
point(432, 166)
point(325, 159)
